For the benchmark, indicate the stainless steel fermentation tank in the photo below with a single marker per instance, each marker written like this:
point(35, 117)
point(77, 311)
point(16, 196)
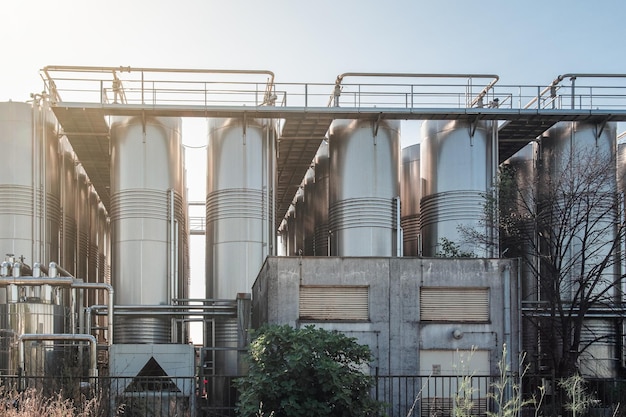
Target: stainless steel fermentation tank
point(308, 218)
point(29, 182)
point(457, 170)
point(364, 187)
point(239, 219)
point(69, 201)
point(320, 201)
point(148, 221)
point(40, 309)
point(520, 172)
point(569, 152)
point(30, 219)
point(410, 195)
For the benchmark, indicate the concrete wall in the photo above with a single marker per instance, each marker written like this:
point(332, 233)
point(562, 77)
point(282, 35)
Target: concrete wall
point(394, 331)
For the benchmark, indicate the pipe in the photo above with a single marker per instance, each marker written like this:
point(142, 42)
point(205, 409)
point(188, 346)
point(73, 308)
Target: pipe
point(93, 357)
point(493, 174)
point(53, 269)
point(507, 313)
point(43, 245)
point(88, 311)
point(34, 179)
point(170, 288)
point(398, 228)
point(30, 281)
point(159, 307)
point(571, 76)
point(110, 307)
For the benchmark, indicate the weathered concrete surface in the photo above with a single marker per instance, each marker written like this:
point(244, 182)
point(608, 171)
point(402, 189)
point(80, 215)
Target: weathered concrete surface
point(394, 330)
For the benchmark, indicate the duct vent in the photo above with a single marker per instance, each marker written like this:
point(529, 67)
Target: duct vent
point(454, 304)
point(334, 302)
point(152, 377)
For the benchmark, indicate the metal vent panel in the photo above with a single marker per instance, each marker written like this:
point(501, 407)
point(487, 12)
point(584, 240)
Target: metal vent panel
point(334, 302)
point(457, 304)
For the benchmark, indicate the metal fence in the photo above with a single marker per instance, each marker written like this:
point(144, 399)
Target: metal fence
point(402, 395)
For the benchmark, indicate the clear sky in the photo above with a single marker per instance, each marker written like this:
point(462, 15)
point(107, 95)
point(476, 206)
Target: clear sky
point(523, 41)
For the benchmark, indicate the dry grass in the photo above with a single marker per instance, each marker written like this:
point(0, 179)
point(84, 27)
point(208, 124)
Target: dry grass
point(31, 403)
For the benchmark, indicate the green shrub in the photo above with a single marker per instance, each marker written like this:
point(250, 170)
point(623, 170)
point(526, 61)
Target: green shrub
point(306, 372)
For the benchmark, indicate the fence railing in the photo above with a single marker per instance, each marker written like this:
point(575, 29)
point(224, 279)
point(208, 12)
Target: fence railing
point(402, 395)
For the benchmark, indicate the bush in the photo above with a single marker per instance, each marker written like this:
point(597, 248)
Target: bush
point(305, 372)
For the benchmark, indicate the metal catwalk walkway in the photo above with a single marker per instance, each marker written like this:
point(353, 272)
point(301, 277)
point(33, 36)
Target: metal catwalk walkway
point(83, 97)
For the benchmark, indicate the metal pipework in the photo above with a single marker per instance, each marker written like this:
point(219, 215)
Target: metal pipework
point(69, 282)
point(93, 357)
point(53, 269)
point(176, 310)
point(88, 311)
point(111, 292)
point(483, 93)
point(30, 281)
point(572, 76)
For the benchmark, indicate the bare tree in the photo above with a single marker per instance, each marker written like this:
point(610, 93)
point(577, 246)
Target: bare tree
point(562, 216)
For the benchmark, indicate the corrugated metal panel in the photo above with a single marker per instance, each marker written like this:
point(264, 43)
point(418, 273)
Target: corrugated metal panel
point(334, 302)
point(454, 304)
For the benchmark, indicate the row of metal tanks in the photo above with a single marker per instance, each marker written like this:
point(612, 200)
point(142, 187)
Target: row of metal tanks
point(358, 199)
point(573, 156)
point(50, 213)
point(347, 204)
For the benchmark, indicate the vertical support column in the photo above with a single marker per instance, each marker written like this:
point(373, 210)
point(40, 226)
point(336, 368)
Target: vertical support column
point(244, 308)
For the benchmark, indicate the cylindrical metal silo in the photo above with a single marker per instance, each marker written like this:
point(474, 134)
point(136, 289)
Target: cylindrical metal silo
point(239, 210)
point(29, 182)
point(93, 252)
point(69, 187)
point(239, 217)
point(517, 198)
point(320, 200)
point(103, 240)
point(578, 159)
point(410, 197)
point(145, 208)
point(457, 170)
point(621, 167)
point(82, 221)
point(281, 239)
point(299, 222)
point(308, 214)
point(51, 185)
point(34, 316)
point(364, 187)
point(290, 222)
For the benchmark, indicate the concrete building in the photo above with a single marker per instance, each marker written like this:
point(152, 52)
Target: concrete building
point(412, 312)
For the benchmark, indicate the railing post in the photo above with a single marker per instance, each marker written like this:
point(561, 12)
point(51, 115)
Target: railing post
point(306, 96)
point(538, 98)
point(573, 80)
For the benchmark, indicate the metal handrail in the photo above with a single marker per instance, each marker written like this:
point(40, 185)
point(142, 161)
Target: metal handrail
point(117, 81)
point(231, 89)
point(554, 85)
point(477, 99)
